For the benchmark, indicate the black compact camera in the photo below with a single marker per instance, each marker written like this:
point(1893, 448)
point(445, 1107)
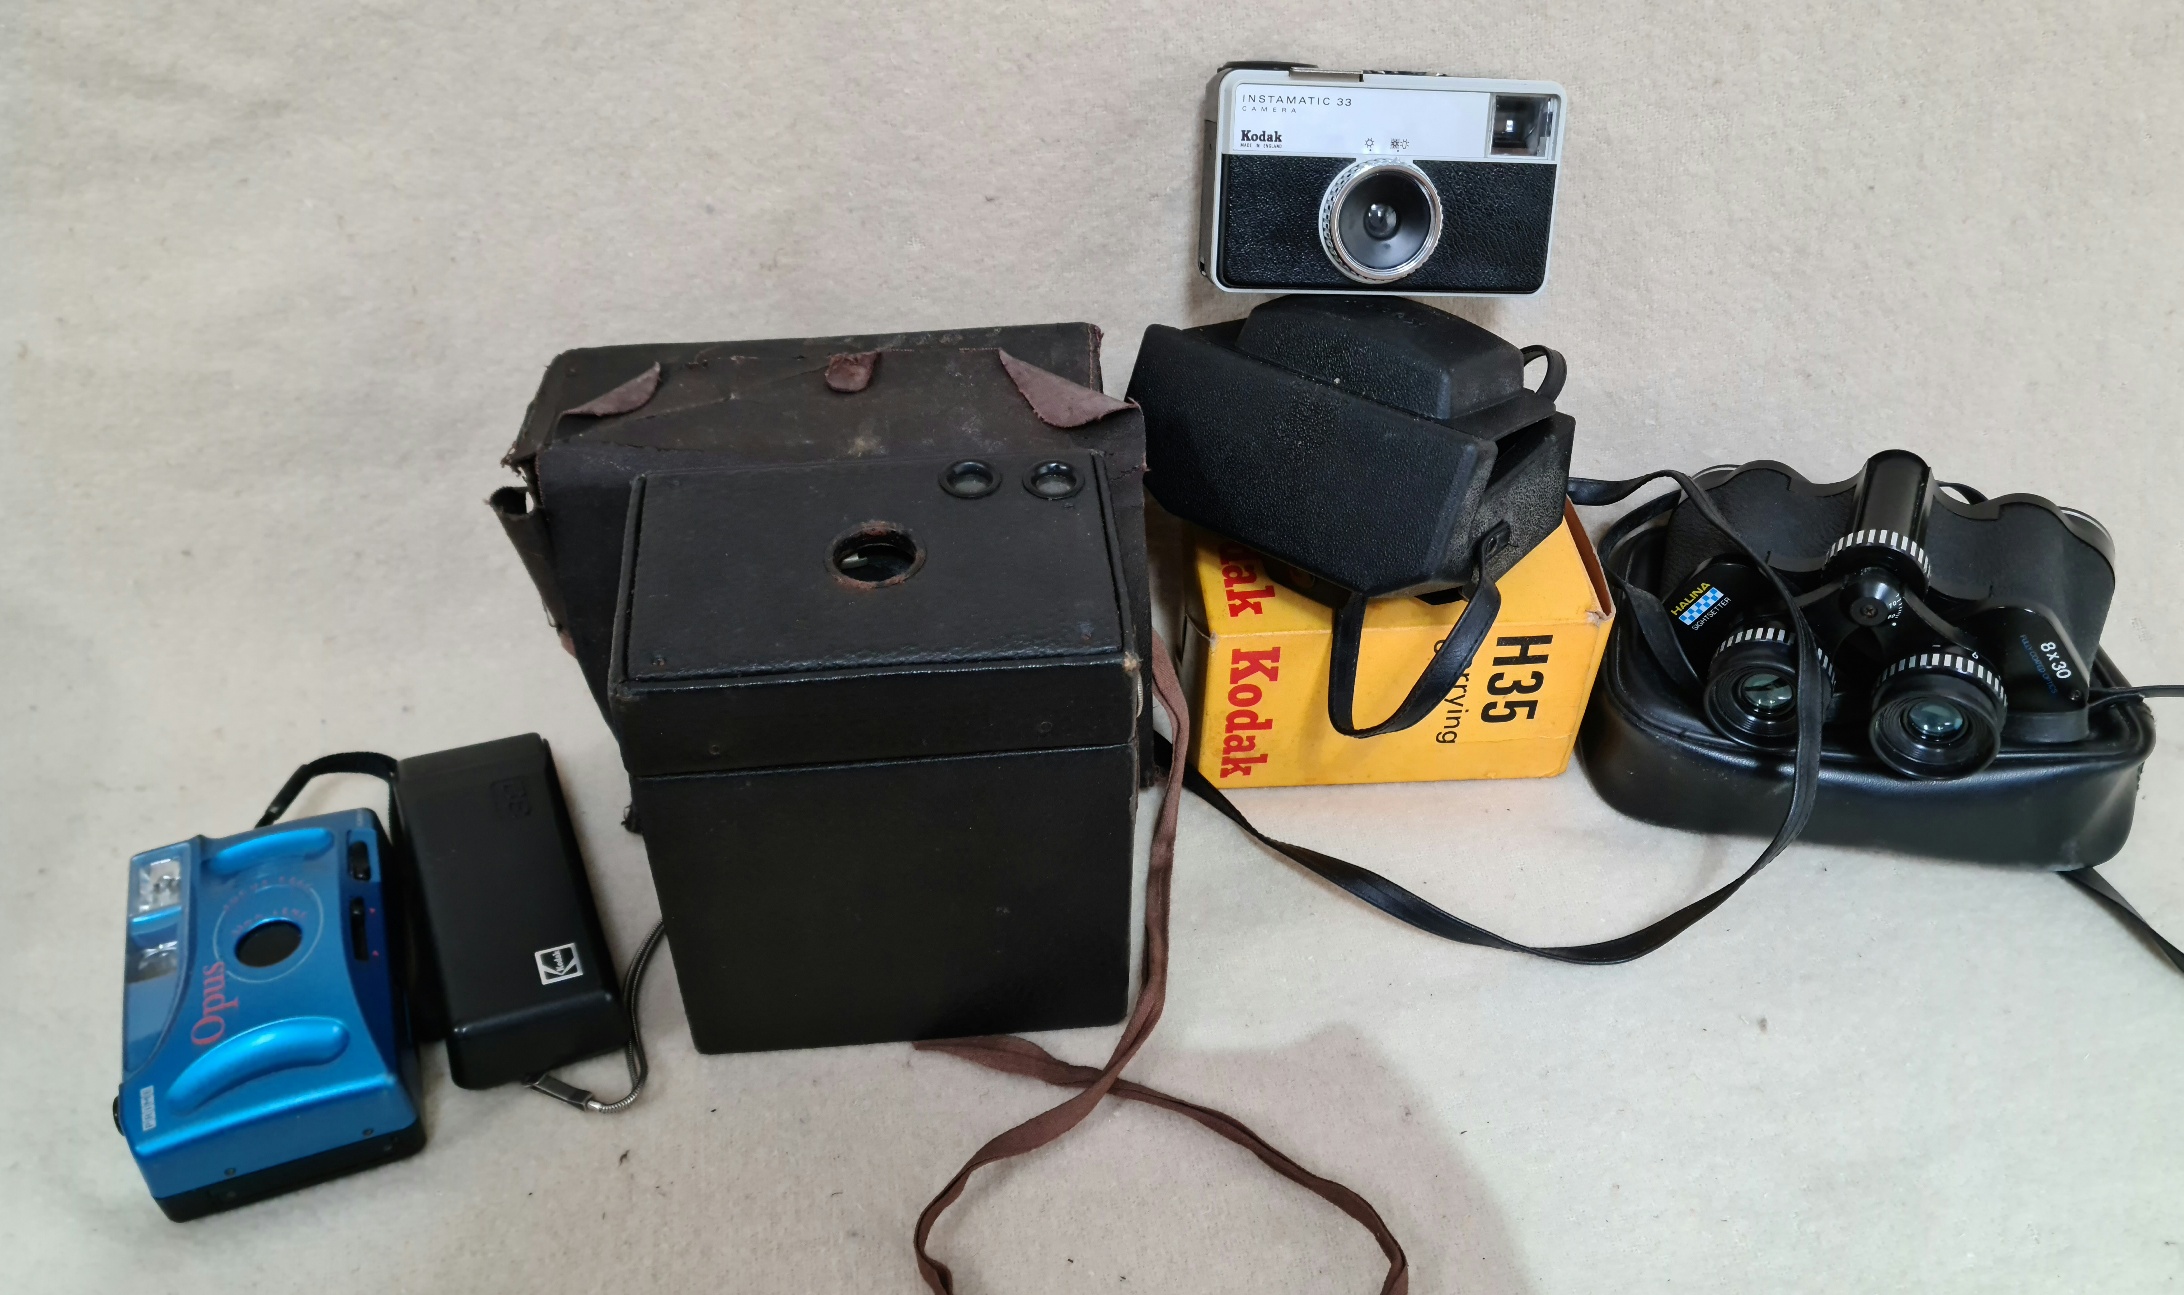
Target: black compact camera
point(1947, 622)
point(1316, 180)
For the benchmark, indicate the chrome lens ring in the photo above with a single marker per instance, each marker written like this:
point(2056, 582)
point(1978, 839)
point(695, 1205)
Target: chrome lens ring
point(1364, 171)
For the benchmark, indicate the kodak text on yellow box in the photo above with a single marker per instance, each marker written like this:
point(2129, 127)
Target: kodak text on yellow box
point(1257, 653)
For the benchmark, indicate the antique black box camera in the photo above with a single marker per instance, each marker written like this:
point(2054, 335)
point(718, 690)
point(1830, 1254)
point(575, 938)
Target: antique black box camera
point(1959, 641)
point(1314, 180)
point(870, 632)
point(879, 727)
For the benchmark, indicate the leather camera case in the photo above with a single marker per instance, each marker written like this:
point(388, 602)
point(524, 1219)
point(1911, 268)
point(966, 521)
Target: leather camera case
point(1649, 751)
point(763, 403)
point(1371, 441)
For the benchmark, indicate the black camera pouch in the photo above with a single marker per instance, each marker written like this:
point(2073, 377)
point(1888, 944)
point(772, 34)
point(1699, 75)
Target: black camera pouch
point(1650, 753)
point(1378, 445)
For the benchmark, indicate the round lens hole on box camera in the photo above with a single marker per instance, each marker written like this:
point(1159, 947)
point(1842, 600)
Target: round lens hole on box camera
point(874, 555)
point(1055, 480)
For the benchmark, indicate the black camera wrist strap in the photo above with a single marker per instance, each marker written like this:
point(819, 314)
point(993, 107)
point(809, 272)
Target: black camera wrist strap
point(1651, 622)
point(1449, 662)
point(1453, 655)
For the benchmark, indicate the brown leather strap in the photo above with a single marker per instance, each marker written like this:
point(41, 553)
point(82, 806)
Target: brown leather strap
point(1022, 1057)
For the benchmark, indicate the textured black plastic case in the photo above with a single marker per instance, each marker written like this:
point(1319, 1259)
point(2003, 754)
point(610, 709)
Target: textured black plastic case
point(1651, 754)
point(511, 938)
point(1368, 440)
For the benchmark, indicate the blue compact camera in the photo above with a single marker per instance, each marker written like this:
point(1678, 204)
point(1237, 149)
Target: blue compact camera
point(264, 1046)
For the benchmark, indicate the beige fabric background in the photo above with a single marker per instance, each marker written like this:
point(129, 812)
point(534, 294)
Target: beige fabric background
point(279, 280)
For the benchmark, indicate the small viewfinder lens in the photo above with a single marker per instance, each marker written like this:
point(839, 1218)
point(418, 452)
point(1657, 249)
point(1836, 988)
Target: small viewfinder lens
point(1520, 125)
point(970, 479)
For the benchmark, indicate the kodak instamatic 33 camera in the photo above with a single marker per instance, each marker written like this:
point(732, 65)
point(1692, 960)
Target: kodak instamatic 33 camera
point(1324, 181)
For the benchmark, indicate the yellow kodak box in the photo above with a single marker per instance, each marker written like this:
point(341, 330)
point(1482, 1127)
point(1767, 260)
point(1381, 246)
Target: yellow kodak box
point(1256, 660)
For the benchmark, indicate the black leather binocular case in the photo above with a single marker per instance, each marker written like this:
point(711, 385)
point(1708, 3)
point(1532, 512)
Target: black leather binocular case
point(1968, 710)
point(1379, 447)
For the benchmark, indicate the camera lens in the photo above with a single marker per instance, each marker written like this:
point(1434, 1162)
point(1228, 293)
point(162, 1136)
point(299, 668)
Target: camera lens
point(1380, 220)
point(268, 942)
point(1751, 687)
point(1936, 715)
point(877, 553)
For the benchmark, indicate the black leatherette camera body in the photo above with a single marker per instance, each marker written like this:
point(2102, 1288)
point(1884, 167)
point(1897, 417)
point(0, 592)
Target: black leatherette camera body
point(1494, 238)
point(1650, 751)
point(1370, 441)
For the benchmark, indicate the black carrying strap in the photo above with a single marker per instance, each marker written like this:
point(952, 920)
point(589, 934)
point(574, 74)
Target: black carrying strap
point(370, 763)
point(1550, 382)
point(2094, 884)
point(1406, 906)
point(1652, 623)
point(2143, 692)
point(1453, 655)
point(1449, 662)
